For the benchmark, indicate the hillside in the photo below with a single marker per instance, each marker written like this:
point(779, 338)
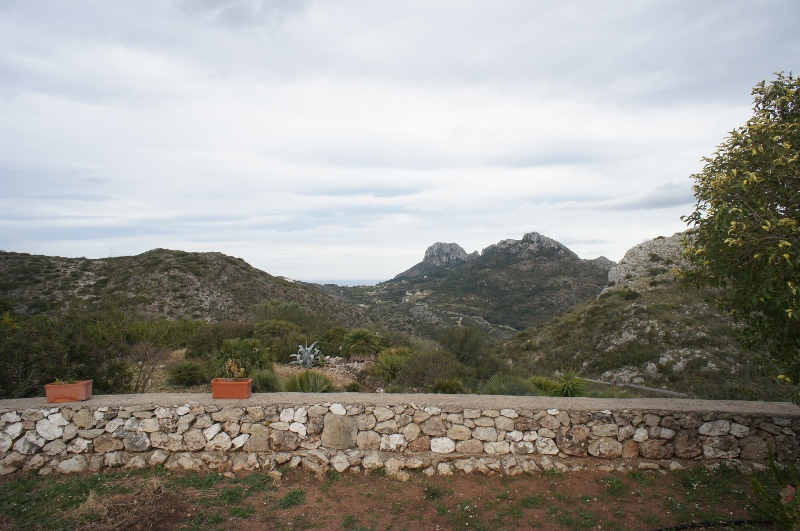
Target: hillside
point(159, 283)
point(508, 287)
point(647, 328)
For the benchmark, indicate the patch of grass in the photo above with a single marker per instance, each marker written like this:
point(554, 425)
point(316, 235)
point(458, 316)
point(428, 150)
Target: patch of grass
point(241, 512)
point(257, 482)
point(196, 480)
point(231, 496)
point(433, 493)
point(292, 498)
point(534, 500)
point(645, 480)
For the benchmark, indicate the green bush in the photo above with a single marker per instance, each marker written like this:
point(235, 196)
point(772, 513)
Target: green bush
point(266, 381)
point(507, 384)
point(248, 354)
point(546, 386)
point(187, 374)
point(448, 386)
point(308, 382)
point(361, 344)
point(389, 363)
point(423, 368)
point(280, 337)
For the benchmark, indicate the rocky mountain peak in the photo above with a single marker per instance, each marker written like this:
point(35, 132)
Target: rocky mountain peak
point(649, 259)
point(440, 254)
point(531, 242)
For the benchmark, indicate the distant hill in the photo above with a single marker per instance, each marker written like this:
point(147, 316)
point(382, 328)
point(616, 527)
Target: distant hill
point(161, 284)
point(648, 328)
point(510, 286)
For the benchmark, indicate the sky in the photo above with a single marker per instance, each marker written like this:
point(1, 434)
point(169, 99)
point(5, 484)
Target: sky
point(337, 139)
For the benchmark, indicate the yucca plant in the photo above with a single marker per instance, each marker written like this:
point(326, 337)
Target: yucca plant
point(546, 386)
point(506, 384)
point(569, 383)
point(308, 382)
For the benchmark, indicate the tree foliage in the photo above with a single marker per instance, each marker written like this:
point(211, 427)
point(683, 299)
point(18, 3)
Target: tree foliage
point(744, 235)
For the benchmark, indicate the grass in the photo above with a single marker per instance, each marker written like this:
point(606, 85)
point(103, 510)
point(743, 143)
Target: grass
point(634, 500)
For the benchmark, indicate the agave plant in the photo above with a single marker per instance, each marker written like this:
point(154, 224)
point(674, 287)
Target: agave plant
point(569, 383)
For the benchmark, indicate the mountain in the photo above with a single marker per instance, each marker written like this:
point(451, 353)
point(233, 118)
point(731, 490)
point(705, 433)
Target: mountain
point(648, 328)
point(509, 286)
point(160, 283)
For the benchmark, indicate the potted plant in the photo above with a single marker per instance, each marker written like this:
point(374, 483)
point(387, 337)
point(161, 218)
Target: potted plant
point(68, 390)
point(234, 385)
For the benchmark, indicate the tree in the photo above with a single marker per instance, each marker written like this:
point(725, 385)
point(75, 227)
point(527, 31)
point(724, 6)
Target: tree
point(361, 344)
point(744, 235)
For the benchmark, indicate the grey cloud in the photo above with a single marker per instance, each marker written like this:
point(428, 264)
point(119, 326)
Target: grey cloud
point(665, 196)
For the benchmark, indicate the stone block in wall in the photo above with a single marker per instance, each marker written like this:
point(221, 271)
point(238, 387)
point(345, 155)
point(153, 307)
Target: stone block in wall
point(339, 432)
point(724, 447)
point(688, 444)
point(605, 447)
point(574, 441)
point(284, 441)
point(656, 449)
point(367, 440)
point(756, 447)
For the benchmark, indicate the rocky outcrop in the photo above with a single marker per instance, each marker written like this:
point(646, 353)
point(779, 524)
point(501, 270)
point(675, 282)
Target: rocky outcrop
point(530, 244)
point(440, 254)
point(648, 259)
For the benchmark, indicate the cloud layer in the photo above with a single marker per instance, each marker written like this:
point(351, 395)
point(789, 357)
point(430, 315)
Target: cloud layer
point(338, 139)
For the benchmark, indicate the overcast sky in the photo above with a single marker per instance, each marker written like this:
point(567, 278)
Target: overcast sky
point(338, 139)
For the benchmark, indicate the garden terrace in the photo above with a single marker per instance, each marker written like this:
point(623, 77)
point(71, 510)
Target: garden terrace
point(395, 433)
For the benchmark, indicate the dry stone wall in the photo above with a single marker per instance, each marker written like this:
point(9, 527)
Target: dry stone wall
point(436, 434)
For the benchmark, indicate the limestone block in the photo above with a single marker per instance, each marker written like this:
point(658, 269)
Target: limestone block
point(78, 446)
point(550, 422)
point(471, 446)
point(298, 428)
point(656, 449)
point(339, 462)
point(496, 448)
point(284, 441)
point(756, 447)
point(165, 441)
point(149, 425)
point(367, 440)
point(158, 457)
point(739, 430)
point(56, 447)
point(372, 461)
point(724, 447)
point(137, 441)
point(83, 418)
point(688, 444)
point(420, 444)
point(395, 442)
point(48, 431)
point(630, 450)
point(259, 439)
point(605, 430)
point(194, 440)
point(444, 469)
point(522, 447)
point(433, 427)
point(504, 423)
point(389, 426)
point(31, 443)
point(485, 433)
point(338, 409)
point(574, 441)
point(484, 422)
point(546, 432)
point(411, 431)
point(382, 414)
point(366, 421)
point(546, 446)
point(605, 447)
point(74, 464)
point(641, 434)
point(32, 414)
point(442, 445)
point(212, 431)
point(340, 431)
point(459, 433)
point(715, 428)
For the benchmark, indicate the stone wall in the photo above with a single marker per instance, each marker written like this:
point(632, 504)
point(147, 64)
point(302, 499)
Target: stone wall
point(437, 434)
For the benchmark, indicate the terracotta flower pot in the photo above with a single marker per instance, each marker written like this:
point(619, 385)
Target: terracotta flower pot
point(68, 392)
point(231, 387)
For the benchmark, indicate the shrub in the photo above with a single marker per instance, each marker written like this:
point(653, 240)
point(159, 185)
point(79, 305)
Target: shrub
point(352, 387)
point(628, 294)
point(507, 384)
point(280, 337)
point(389, 363)
point(308, 382)
point(266, 381)
point(424, 368)
point(448, 386)
point(248, 354)
point(187, 374)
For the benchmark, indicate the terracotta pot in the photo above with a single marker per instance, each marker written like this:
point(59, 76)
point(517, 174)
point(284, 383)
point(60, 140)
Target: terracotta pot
point(68, 392)
point(231, 387)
